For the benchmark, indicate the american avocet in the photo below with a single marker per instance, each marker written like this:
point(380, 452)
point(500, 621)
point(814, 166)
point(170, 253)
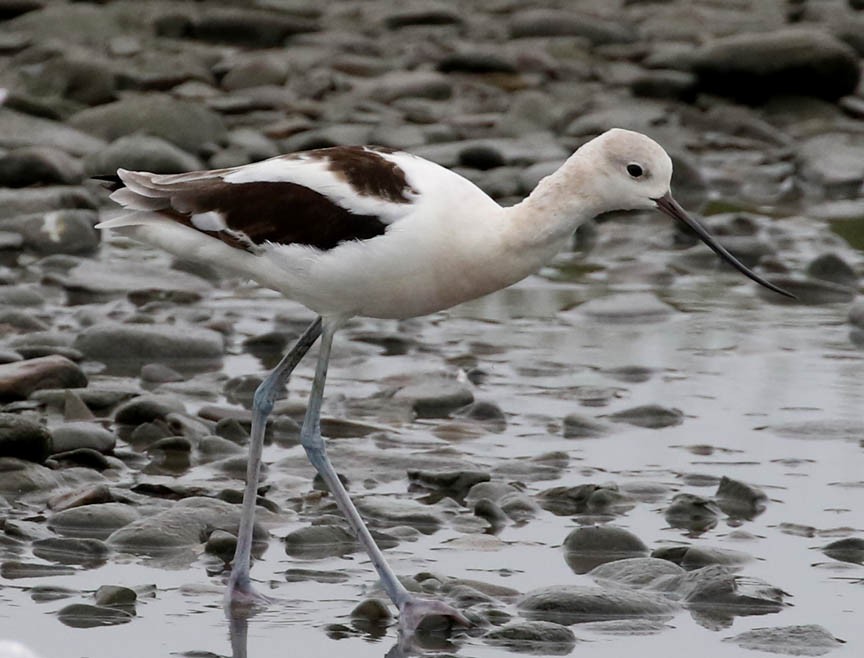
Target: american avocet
point(370, 231)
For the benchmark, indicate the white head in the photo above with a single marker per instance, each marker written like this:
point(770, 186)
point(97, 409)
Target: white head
point(625, 170)
point(629, 171)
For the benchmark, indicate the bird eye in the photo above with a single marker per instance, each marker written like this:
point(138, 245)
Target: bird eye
point(634, 170)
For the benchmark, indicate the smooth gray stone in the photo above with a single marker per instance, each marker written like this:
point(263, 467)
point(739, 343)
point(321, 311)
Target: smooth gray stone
point(96, 521)
point(572, 604)
point(24, 438)
point(71, 436)
point(801, 640)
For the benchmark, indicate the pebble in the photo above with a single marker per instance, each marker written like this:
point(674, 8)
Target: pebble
point(755, 66)
point(833, 160)
point(651, 416)
point(95, 521)
point(627, 308)
point(455, 484)
point(579, 426)
point(434, 397)
point(24, 438)
point(573, 604)
point(850, 549)
point(802, 640)
point(584, 499)
point(141, 153)
point(692, 512)
point(740, 500)
point(19, 477)
point(636, 572)
point(84, 615)
point(39, 165)
point(183, 525)
point(19, 130)
point(696, 557)
point(130, 345)
point(250, 27)
point(830, 267)
point(186, 125)
point(38, 200)
point(21, 378)
point(388, 513)
point(71, 550)
point(589, 546)
point(319, 541)
point(533, 637)
point(556, 23)
point(13, 569)
point(808, 291)
point(115, 596)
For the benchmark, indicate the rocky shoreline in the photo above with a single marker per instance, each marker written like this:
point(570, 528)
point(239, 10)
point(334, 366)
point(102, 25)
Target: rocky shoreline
point(126, 378)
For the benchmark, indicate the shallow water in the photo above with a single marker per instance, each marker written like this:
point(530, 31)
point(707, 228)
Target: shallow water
point(753, 379)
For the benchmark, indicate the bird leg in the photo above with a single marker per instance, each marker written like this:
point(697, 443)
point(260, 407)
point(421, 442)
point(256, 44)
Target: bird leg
point(412, 609)
point(240, 590)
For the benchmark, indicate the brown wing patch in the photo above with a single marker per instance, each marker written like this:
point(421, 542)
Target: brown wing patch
point(282, 213)
point(367, 171)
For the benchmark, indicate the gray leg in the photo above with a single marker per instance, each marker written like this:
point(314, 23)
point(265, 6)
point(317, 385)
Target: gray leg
point(239, 587)
point(411, 608)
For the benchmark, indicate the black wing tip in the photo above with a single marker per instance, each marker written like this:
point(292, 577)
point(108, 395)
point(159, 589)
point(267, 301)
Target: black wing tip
point(110, 181)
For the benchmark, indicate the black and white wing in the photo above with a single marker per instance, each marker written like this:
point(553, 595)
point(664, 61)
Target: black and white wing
point(318, 198)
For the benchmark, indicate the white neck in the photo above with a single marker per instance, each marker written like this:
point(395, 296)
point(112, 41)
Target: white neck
point(544, 221)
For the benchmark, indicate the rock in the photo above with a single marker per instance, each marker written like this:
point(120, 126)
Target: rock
point(533, 637)
point(390, 513)
point(435, 397)
point(754, 66)
point(184, 525)
point(23, 438)
point(696, 557)
point(19, 379)
point(371, 612)
point(636, 572)
point(92, 521)
point(319, 541)
point(59, 231)
point(830, 267)
point(584, 499)
point(475, 61)
point(19, 130)
point(26, 201)
point(25, 295)
point(422, 15)
point(134, 344)
point(115, 595)
point(589, 546)
point(12, 569)
point(39, 165)
point(556, 23)
point(410, 84)
point(676, 85)
point(87, 495)
point(221, 544)
point(455, 484)
point(248, 27)
point(83, 615)
point(806, 640)
point(834, 160)
point(740, 500)
point(849, 549)
point(18, 477)
point(578, 426)
point(94, 279)
point(256, 71)
point(70, 550)
point(141, 153)
point(627, 307)
point(190, 126)
point(651, 416)
point(692, 512)
point(158, 373)
point(572, 604)
point(20, 321)
point(481, 156)
point(83, 80)
point(71, 436)
point(485, 413)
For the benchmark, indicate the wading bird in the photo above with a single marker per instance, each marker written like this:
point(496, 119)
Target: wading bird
point(369, 231)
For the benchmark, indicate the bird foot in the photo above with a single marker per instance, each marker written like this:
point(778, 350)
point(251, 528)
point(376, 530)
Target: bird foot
point(413, 612)
point(241, 595)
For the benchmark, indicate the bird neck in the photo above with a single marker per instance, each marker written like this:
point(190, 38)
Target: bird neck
point(557, 206)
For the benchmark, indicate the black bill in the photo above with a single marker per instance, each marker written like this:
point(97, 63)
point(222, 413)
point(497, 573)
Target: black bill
point(671, 207)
